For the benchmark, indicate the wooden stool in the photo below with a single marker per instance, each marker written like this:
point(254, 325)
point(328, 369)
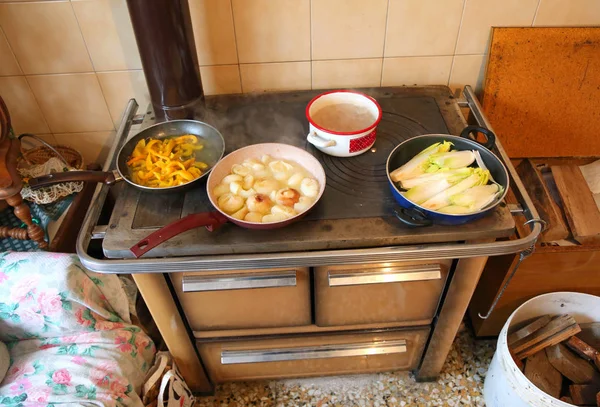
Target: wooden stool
point(11, 183)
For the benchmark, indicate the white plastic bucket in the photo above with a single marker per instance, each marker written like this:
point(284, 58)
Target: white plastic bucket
point(505, 385)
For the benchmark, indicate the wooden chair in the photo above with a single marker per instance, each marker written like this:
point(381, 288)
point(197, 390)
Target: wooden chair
point(11, 184)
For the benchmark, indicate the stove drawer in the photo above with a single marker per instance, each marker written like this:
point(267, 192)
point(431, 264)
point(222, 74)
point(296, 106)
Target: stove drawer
point(244, 299)
point(397, 292)
point(313, 355)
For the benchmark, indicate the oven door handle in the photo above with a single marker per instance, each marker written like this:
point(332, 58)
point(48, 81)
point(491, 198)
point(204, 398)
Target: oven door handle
point(242, 281)
point(232, 357)
point(401, 274)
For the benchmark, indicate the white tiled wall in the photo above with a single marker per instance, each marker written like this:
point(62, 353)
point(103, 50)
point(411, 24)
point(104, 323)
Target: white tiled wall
point(67, 68)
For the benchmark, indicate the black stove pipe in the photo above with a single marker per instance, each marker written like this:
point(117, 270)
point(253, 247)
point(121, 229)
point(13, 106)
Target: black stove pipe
point(163, 31)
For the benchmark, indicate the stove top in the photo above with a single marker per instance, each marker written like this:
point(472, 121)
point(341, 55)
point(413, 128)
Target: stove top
point(356, 209)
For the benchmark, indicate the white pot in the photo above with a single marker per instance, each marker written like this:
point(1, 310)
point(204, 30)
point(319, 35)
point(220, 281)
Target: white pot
point(505, 385)
point(342, 144)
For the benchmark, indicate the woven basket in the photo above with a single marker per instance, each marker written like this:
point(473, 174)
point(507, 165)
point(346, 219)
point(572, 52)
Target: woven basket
point(39, 155)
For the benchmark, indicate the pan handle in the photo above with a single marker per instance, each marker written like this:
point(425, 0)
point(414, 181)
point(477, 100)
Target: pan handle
point(108, 178)
point(490, 143)
point(211, 220)
point(412, 217)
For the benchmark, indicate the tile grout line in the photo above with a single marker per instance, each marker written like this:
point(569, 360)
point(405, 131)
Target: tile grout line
point(385, 34)
point(35, 99)
point(10, 48)
point(237, 48)
point(537, 9)
point(462, 18)
point(87, 49)
point(310, 33)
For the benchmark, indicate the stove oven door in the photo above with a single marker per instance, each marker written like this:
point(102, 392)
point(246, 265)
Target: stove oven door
point(244, 299)
point(406, 293)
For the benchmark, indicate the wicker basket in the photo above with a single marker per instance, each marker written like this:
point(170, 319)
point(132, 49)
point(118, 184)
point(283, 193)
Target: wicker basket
point(39, 155)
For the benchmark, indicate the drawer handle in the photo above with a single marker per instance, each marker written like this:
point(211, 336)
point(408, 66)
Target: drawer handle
point(385, 275)
point(231, 357)
point(239, 281)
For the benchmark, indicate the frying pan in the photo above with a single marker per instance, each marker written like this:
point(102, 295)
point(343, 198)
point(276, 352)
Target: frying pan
point(412, 214)
point(211, 139)
point(212, 220)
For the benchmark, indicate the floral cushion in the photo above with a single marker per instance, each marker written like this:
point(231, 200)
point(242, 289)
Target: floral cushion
point(69, 334)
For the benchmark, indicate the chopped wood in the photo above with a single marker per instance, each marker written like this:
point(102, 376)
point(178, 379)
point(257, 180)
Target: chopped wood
point(553, 340)
point(590, 334)
point(566, 399)
point(543, 375)
point(556, 225)
point(578, 201)
point(555, 326)
point(528, 329)
point(581, 348)
point(584, 394)
point(571, 366)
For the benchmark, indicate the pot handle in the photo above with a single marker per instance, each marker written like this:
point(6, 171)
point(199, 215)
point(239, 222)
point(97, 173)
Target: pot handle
point(412, 217)
point(105, 177)
point(490, 143)
point(210, 220)
point(319, 141)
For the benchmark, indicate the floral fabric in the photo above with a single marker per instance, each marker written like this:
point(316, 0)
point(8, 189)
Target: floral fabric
point(69, 334)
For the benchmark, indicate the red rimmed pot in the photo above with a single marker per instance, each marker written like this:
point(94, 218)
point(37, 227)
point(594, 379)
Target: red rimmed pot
point(212, 220)
point(339, 143)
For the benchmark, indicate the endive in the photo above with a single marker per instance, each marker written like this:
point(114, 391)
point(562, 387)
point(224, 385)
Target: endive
point(442, 199)
point(453, 159)
point(423, 192)
point(452, 176)
point(477, 197)
point(420, 163)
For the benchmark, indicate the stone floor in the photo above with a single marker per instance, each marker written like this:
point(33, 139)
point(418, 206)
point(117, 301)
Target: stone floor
point(460, 384)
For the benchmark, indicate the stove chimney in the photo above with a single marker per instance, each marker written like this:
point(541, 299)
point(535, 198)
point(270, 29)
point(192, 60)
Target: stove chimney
point(163, 31)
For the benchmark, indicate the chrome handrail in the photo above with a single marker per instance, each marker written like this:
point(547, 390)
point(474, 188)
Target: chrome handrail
point(312, 258)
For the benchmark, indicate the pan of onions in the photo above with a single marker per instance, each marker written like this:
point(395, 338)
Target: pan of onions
point(261, 186)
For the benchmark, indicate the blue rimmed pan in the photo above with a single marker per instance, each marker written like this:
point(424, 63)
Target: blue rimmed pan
point(415, 215)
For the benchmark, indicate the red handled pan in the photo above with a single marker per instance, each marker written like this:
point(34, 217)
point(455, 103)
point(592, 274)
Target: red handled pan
point(212, 220)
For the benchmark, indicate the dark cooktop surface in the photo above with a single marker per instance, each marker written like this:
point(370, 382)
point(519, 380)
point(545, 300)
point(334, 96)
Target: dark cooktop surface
point(356, 209)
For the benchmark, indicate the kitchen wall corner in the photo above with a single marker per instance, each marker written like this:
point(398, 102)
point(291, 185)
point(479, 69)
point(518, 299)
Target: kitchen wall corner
point(68, 67)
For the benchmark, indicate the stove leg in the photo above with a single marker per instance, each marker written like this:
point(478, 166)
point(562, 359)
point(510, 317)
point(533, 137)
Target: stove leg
point(161, 304)
point(34, 231)
point(453, 310)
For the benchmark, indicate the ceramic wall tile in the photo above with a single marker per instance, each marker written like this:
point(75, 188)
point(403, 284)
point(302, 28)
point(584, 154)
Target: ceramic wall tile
point(422, 27)
point(411, 71)
point(212, 21)
point(272, 31)
point(275, 77)
point(25, 114)
point(350, 73)
point(345, 29)
point(71, 103)
point(93, 146)
point(108, 34)
point(481, 15)
point(568, 13)
point(9, 65)
point(119, 87)
point(45, 37)
point(468, 70)
point(222, 79)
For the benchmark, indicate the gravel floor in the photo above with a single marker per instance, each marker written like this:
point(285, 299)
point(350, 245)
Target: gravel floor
point(460, 384)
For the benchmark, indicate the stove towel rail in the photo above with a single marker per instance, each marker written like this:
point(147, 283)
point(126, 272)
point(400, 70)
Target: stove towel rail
point(425, 252)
